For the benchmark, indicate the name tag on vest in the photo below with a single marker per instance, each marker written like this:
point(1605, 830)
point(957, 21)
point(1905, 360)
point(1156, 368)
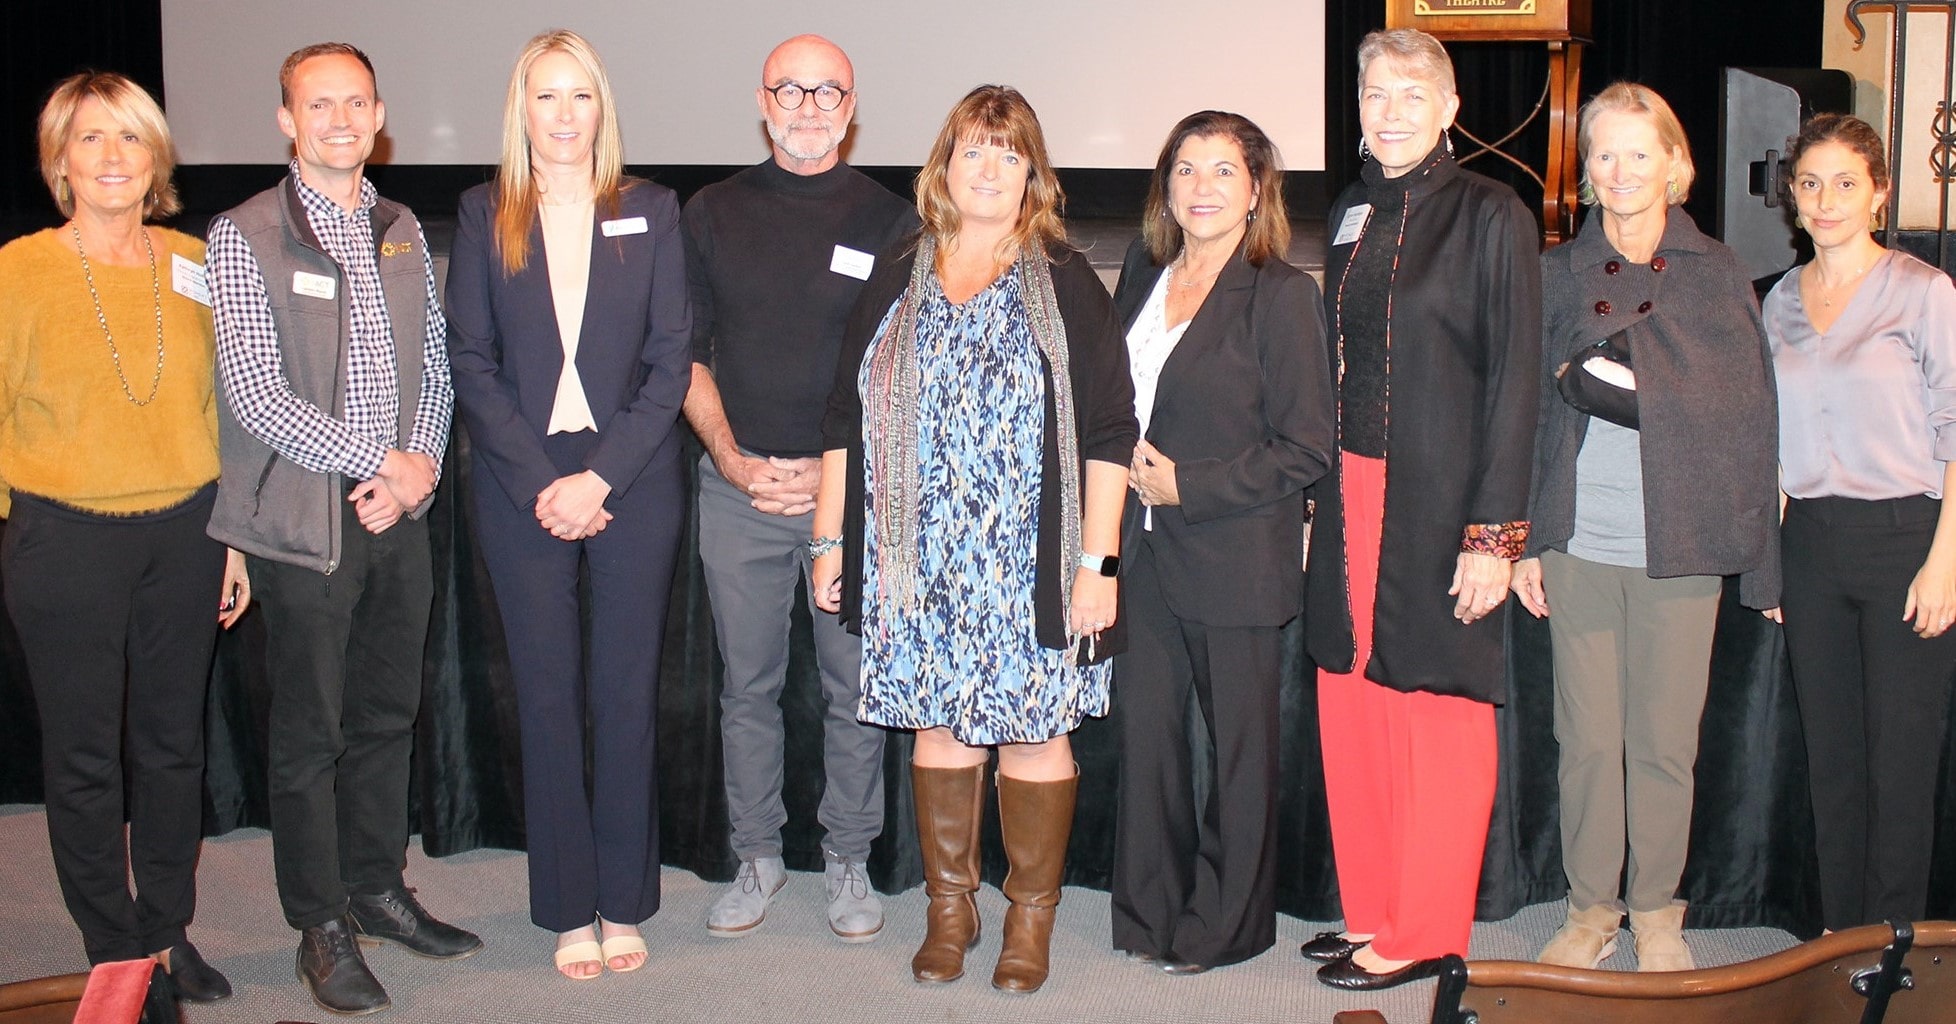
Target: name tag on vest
point(624, 226)
point(319, 286)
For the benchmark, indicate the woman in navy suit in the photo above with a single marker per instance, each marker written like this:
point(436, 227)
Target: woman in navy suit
point(568, 335)
point(1232, 388)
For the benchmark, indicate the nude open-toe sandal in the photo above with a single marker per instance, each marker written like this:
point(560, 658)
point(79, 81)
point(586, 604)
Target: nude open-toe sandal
point(623, 945)
point(586, 952)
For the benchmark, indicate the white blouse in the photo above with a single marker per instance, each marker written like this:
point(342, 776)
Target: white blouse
point(567, 250)
point(1149, 344)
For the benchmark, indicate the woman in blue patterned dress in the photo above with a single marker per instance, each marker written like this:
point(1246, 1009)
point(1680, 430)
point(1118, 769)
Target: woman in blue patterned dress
point(969, 519)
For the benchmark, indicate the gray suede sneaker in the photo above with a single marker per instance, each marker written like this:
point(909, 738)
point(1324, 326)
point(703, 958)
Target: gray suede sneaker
point(743, 906)
point(855, 914)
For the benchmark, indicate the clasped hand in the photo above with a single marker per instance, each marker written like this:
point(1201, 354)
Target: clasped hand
point(405, 480)
point(776, 486)
point(572, 507)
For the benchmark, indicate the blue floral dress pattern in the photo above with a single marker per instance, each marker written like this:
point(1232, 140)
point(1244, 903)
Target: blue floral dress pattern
point(967, 656)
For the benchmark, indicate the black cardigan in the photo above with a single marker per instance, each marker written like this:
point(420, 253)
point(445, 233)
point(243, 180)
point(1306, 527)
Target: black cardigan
point(1465, 348)
point(1709, 437)
point(1103, 408)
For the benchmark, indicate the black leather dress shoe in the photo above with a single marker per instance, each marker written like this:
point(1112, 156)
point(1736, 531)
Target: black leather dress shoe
point(196, 981)
point(1352, 978)
point(335, 973)
point(1331, 948)
point(398, 917)
point(1181, 967)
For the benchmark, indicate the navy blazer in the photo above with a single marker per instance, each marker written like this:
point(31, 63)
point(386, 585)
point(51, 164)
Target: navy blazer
point(634, 352)
point(1245, 408)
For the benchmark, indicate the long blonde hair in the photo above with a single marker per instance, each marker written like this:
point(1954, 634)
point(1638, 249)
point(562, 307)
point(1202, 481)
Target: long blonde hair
point(516, 189)
point(996, 115)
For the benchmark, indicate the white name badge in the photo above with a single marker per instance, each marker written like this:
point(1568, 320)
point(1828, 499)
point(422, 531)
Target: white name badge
point(851, 262)
point(318, 286)
point(187, 278)
point(1353, 225)
point(624, 226)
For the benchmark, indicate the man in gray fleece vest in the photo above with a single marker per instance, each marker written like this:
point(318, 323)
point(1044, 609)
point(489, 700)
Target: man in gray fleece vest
point(334, 405)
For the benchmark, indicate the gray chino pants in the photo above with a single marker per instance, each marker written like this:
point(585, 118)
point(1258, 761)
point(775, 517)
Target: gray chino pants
point(753, 562)
point(1632, 661)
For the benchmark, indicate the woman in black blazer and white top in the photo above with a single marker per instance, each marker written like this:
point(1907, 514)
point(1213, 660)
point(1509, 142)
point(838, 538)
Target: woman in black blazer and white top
point(1231, 379)
point(569, 338)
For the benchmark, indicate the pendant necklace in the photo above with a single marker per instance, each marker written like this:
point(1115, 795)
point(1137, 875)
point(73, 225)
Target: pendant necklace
point(156, 297)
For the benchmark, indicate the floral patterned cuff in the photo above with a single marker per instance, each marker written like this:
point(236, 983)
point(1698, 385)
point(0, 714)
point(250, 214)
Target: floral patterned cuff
point(1502, 540)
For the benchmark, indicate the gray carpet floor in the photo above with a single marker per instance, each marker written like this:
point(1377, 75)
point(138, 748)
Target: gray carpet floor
point(789, 970)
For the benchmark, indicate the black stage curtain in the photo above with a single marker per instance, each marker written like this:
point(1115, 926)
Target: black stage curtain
point(1751, 859)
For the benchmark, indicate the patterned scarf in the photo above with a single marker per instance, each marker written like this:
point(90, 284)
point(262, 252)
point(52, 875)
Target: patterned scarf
point(890, 424)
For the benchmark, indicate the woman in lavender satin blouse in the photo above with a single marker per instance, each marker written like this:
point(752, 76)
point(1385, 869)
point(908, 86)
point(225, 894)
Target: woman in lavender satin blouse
point(1864, 346)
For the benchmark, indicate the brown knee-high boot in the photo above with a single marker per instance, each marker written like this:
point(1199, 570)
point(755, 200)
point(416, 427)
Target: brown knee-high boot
point(949, 802)
point(1036, 819)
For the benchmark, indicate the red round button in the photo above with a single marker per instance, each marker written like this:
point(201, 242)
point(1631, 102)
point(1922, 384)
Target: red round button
point(1603, 308)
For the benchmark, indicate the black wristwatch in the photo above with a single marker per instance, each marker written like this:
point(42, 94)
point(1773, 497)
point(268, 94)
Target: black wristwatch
point(1106, 565)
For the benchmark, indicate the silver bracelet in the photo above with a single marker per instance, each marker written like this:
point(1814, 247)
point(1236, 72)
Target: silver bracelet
point(820, 546)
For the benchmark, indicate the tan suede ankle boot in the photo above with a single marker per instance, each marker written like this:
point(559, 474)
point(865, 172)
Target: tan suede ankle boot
point(1660, 939)
point(949, 802)
point(1586, 939)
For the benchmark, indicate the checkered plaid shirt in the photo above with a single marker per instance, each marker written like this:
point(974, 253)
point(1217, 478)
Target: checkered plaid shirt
point(252, 370)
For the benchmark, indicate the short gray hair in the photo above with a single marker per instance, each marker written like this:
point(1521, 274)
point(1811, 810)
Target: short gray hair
point(1416, 53)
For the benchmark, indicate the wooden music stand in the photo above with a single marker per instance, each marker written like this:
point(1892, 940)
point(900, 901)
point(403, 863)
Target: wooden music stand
point(1565, 26)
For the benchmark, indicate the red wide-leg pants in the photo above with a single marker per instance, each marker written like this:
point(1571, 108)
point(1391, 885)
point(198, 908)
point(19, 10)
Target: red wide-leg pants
point(1409, 777)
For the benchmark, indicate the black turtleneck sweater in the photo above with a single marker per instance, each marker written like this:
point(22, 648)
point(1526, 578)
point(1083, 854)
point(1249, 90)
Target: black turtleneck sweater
point(767, 309)
point(1365, 306)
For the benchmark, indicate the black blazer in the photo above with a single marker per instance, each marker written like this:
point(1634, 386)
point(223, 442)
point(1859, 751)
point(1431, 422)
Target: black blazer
point(1245, 407)
point(634, 352)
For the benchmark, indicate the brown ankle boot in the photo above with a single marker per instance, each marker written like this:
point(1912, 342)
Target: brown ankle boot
point(1036, 818)
point(949, 802)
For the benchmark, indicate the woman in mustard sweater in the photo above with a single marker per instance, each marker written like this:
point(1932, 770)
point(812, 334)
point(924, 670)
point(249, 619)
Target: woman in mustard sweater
point(108, 464)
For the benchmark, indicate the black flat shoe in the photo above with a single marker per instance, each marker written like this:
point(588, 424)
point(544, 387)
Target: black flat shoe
point(1180, 968)
point(1350, 977)
point(160, 1000)
point(196, 981)
point(1331, 948)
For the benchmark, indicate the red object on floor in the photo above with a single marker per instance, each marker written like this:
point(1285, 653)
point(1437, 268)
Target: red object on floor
point(1409, 777)
point(115, 992)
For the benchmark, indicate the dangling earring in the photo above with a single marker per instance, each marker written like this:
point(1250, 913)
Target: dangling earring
point(1252, 216)
point(1671, 192)
point(1446, 139)
point(1586, 193)
point(1364, 151)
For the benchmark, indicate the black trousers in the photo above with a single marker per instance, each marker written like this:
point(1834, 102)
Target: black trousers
point(1874, 699)
point(117, 616)
point(1198, 888)
point(592, 851)
point(344, 654)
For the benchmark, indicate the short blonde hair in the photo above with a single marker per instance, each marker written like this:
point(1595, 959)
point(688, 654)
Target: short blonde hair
point(134, 111)
point(996, 115)
point(1631, 98)
point(1416, 53)
point(516, 188)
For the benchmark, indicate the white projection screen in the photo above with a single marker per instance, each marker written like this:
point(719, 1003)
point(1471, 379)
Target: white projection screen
point(1108, 78)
